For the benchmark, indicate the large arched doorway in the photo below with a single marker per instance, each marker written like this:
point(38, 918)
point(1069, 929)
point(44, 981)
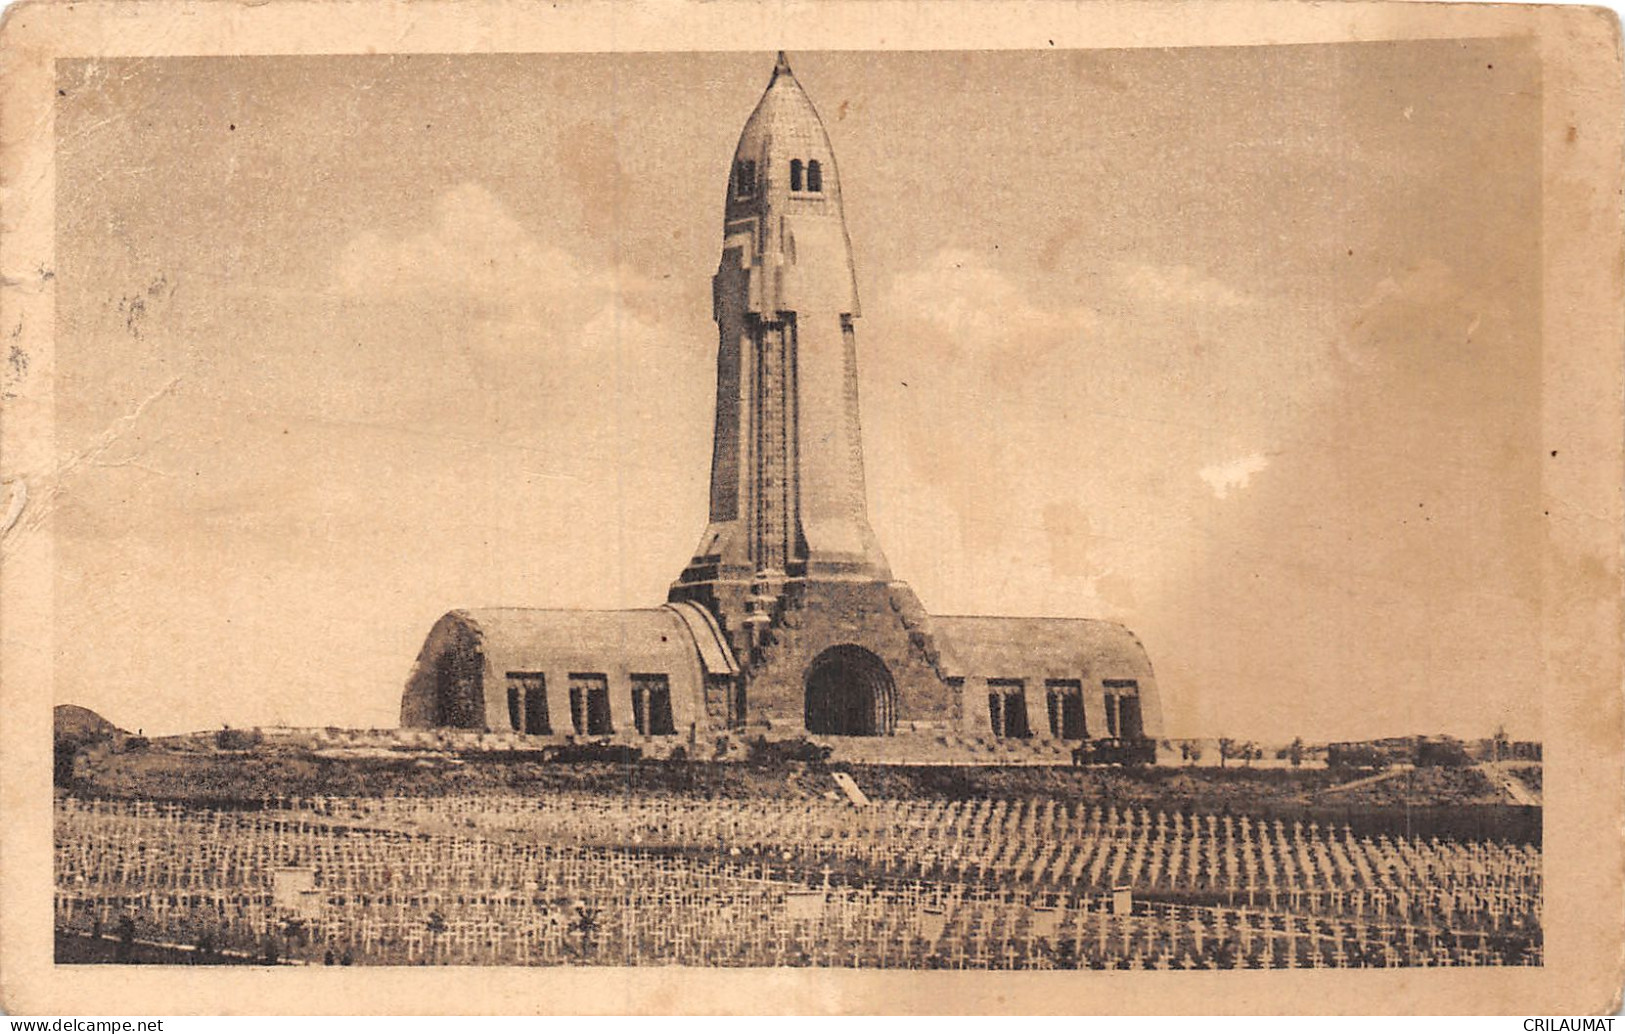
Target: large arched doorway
point(850, 693)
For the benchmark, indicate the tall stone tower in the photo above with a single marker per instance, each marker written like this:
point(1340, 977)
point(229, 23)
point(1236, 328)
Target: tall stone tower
point(788, 563)
point(787, 620)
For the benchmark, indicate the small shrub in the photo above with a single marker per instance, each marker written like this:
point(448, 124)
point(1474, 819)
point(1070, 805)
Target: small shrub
point(616, 753)
point(1442, 754)
point(238, 739)
point(764, 751)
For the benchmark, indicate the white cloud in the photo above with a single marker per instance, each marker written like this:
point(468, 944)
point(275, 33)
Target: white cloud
point(474, 245)
point(978, 305)
point(1223, 477)
point(1180, 284)
point(476, 258)
point(1097, 387)
point(486, 328)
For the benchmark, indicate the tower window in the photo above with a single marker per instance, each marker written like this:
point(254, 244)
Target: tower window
point(744, 179)
point(795, 173)
point(815, 176)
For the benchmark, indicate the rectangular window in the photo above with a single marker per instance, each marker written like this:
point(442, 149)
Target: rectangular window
point(537, 721)
point(527, 703)
point(1007, 707)
point(1065, 700)
point(1123, 720)
point(589, 704)
point(651, 705)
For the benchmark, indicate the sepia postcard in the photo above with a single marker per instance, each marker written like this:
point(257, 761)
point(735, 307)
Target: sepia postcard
point(1016, 507)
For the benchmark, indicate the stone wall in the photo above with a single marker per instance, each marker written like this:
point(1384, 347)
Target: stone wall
point(818, 615)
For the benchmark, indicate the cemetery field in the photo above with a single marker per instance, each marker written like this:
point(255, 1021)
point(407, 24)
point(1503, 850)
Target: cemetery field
point(773, 866)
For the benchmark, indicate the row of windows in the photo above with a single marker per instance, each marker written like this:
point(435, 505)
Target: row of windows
point(814, 182)
point(805, 177)
point(1063, 698)
point(590, 713)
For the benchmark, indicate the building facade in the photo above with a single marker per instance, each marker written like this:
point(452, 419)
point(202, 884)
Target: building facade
point(787, 620)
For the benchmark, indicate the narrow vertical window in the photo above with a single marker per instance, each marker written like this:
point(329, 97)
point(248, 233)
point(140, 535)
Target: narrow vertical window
point(1065, 708)
point(589, 704)
point(661, 720)
point(537, 720)
point(1123, 708)
point(1007, 707)
point(651, 705)
point(815, 176)
point(527, 703)
point(795, 173)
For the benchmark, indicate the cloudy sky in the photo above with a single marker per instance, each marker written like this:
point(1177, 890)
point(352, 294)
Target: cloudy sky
point(1239, 346)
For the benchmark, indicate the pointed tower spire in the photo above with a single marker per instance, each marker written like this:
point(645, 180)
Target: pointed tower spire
point(787, 481)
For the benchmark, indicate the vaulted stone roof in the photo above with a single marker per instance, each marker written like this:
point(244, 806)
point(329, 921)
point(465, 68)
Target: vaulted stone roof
point(1000, 647)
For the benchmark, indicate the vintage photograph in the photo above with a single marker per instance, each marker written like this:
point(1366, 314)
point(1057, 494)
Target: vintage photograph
point(1050, 507)
point(1199, 387)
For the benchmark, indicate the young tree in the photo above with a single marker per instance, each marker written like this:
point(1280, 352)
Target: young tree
point(1295, 752)
point(1227, 749)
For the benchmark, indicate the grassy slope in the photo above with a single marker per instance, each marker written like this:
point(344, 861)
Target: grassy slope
point(270, 771)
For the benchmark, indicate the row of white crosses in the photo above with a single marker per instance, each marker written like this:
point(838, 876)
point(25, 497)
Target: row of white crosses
point(1117, 859)
point(387, 877)
point(1115, 862)
point(707, 930)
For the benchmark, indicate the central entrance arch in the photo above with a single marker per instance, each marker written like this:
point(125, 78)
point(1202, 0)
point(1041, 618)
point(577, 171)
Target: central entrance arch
point(850, 693)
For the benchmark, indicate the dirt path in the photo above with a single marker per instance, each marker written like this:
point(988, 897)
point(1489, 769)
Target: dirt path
point(1511, 784)
point(1355, 784)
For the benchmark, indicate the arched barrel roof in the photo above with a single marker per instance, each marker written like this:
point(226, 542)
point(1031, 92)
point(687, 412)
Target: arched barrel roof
point(521, 639)
point(1000, 646)
point(1096, 653)
point(479, 647)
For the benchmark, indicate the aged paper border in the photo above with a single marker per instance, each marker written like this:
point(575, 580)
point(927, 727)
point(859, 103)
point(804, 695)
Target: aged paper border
point(1583, 418)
